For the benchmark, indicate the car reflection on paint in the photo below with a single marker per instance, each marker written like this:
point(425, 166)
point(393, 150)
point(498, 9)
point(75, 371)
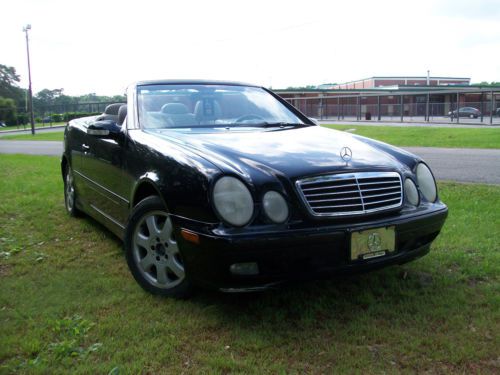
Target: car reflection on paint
point(227, 186)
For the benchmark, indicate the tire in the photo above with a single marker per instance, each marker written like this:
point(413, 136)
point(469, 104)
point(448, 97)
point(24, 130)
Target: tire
point(152, 253)
point(472, 116)
point(70, 193)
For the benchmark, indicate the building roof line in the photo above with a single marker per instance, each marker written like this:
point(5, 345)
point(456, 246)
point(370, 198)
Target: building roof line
point(398, 77)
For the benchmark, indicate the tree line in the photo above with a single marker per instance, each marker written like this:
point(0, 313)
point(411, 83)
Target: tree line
point(13, 101)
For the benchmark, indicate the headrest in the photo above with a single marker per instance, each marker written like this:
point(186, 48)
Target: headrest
point(174, 109)
point(207, 109)
point(122, 114)
point(112, 109)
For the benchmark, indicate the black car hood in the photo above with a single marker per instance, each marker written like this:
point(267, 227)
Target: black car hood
point(295, 152)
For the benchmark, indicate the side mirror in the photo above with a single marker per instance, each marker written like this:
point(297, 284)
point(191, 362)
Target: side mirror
point(314, 121)
point(103, 128)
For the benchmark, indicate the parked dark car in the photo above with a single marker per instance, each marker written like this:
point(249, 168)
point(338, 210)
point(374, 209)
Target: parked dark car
point(470, 112)
point(47, 120)
point(2, 124)
point(497, 112)
point(227, 186)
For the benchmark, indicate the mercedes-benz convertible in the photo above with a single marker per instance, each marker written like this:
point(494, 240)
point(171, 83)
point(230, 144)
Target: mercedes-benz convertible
point(226, 185)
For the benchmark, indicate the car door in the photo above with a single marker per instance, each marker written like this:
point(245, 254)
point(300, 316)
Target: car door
point(102, 168)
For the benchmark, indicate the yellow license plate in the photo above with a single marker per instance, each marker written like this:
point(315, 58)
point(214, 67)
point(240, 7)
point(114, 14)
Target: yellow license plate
point(373, 243)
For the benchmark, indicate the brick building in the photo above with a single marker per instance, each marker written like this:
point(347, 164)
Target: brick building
point(379, 82)
point(391, 96)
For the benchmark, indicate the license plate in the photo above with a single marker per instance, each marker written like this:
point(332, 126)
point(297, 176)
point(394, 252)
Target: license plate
point(373, 243)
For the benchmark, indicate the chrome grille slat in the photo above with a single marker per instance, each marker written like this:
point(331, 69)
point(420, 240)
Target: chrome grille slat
point(382, 201)
point(374, 191)
point(330, 187)
point(334, 200)
point(339, 205)
point(379, 183)
point(386, 188)
point(337, 193)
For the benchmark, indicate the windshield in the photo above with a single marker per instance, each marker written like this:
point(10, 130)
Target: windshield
point(193, 106)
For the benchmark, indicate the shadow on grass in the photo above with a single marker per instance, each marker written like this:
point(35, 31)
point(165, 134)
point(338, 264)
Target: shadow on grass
point(388, 296)
point(394, 293)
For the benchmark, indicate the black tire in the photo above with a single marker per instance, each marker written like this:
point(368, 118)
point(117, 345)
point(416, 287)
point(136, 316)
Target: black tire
point(152, 253)
point(70, 193)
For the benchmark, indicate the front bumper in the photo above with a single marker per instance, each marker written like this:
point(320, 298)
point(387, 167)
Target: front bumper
point(312, 252)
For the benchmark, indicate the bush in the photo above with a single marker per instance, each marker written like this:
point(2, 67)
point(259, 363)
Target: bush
point(57, 117)
point(22, 119)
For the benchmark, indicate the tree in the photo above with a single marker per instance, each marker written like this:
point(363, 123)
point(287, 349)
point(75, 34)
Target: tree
point(484, 83)
point(47, 97)
point(308, 87)
point(7, 110)
point(9, 88)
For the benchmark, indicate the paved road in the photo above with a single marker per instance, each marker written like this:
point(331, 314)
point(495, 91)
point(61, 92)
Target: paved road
point(31, 147)
point(463, 165)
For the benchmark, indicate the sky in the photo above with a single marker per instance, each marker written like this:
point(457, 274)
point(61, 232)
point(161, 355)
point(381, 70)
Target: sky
point(102, 46)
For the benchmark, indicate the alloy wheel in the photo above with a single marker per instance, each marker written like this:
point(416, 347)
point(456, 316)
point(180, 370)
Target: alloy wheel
point(155, 251)
point(70, 191)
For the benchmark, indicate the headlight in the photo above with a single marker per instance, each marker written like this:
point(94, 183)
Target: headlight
point(411, 192)
point(275, 207)
point(233, 201)
point(426, 182)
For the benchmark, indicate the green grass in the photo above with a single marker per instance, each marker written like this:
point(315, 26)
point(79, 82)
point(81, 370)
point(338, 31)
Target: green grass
point(43, 136)
point(28, 126)
point(69, 305)
point(427, 136)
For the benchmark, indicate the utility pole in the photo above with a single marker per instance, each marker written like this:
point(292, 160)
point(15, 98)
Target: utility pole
point(427, 99)
point(30, 92)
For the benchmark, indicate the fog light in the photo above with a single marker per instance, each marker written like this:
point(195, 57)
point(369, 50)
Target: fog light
point(250, 268)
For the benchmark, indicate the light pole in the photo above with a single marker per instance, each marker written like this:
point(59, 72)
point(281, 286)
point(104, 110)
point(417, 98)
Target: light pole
point(30, 92)
point(427, 99)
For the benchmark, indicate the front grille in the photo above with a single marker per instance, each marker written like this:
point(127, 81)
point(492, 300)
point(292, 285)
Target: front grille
point(351, 193)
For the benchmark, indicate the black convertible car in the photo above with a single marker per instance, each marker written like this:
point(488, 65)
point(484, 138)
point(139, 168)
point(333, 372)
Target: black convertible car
point(227, 186)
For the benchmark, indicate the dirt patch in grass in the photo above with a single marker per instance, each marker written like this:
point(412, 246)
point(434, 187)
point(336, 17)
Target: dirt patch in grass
point(5, 270)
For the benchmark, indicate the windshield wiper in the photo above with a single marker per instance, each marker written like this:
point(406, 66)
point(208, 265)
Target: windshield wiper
point(281, 124)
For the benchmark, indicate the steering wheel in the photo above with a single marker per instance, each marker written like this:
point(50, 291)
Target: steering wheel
point(249, 117)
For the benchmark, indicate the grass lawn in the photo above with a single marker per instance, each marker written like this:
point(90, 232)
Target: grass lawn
point(41, 136)
point(69, 305)
point(37, 126)
point(426, 136)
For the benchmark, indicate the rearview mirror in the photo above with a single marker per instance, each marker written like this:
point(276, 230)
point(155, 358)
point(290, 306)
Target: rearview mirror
point(103, 128)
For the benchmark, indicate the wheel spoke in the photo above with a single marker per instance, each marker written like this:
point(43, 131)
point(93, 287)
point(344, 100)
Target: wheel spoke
point(142, 240)
point(147, 262)
point(152, 227)
point(176, 267)
point(166, 231)
point(161, 275)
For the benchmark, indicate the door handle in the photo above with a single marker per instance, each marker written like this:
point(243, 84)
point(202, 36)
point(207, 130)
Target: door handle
point(85, 147)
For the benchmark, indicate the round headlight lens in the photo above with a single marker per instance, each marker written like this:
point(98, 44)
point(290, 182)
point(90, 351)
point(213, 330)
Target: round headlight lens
point(233, 201)
point(411, 192)
point(275, 207)
point(426, 182)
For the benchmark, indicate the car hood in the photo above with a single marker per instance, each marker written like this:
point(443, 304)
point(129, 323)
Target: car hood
point(295, 152)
